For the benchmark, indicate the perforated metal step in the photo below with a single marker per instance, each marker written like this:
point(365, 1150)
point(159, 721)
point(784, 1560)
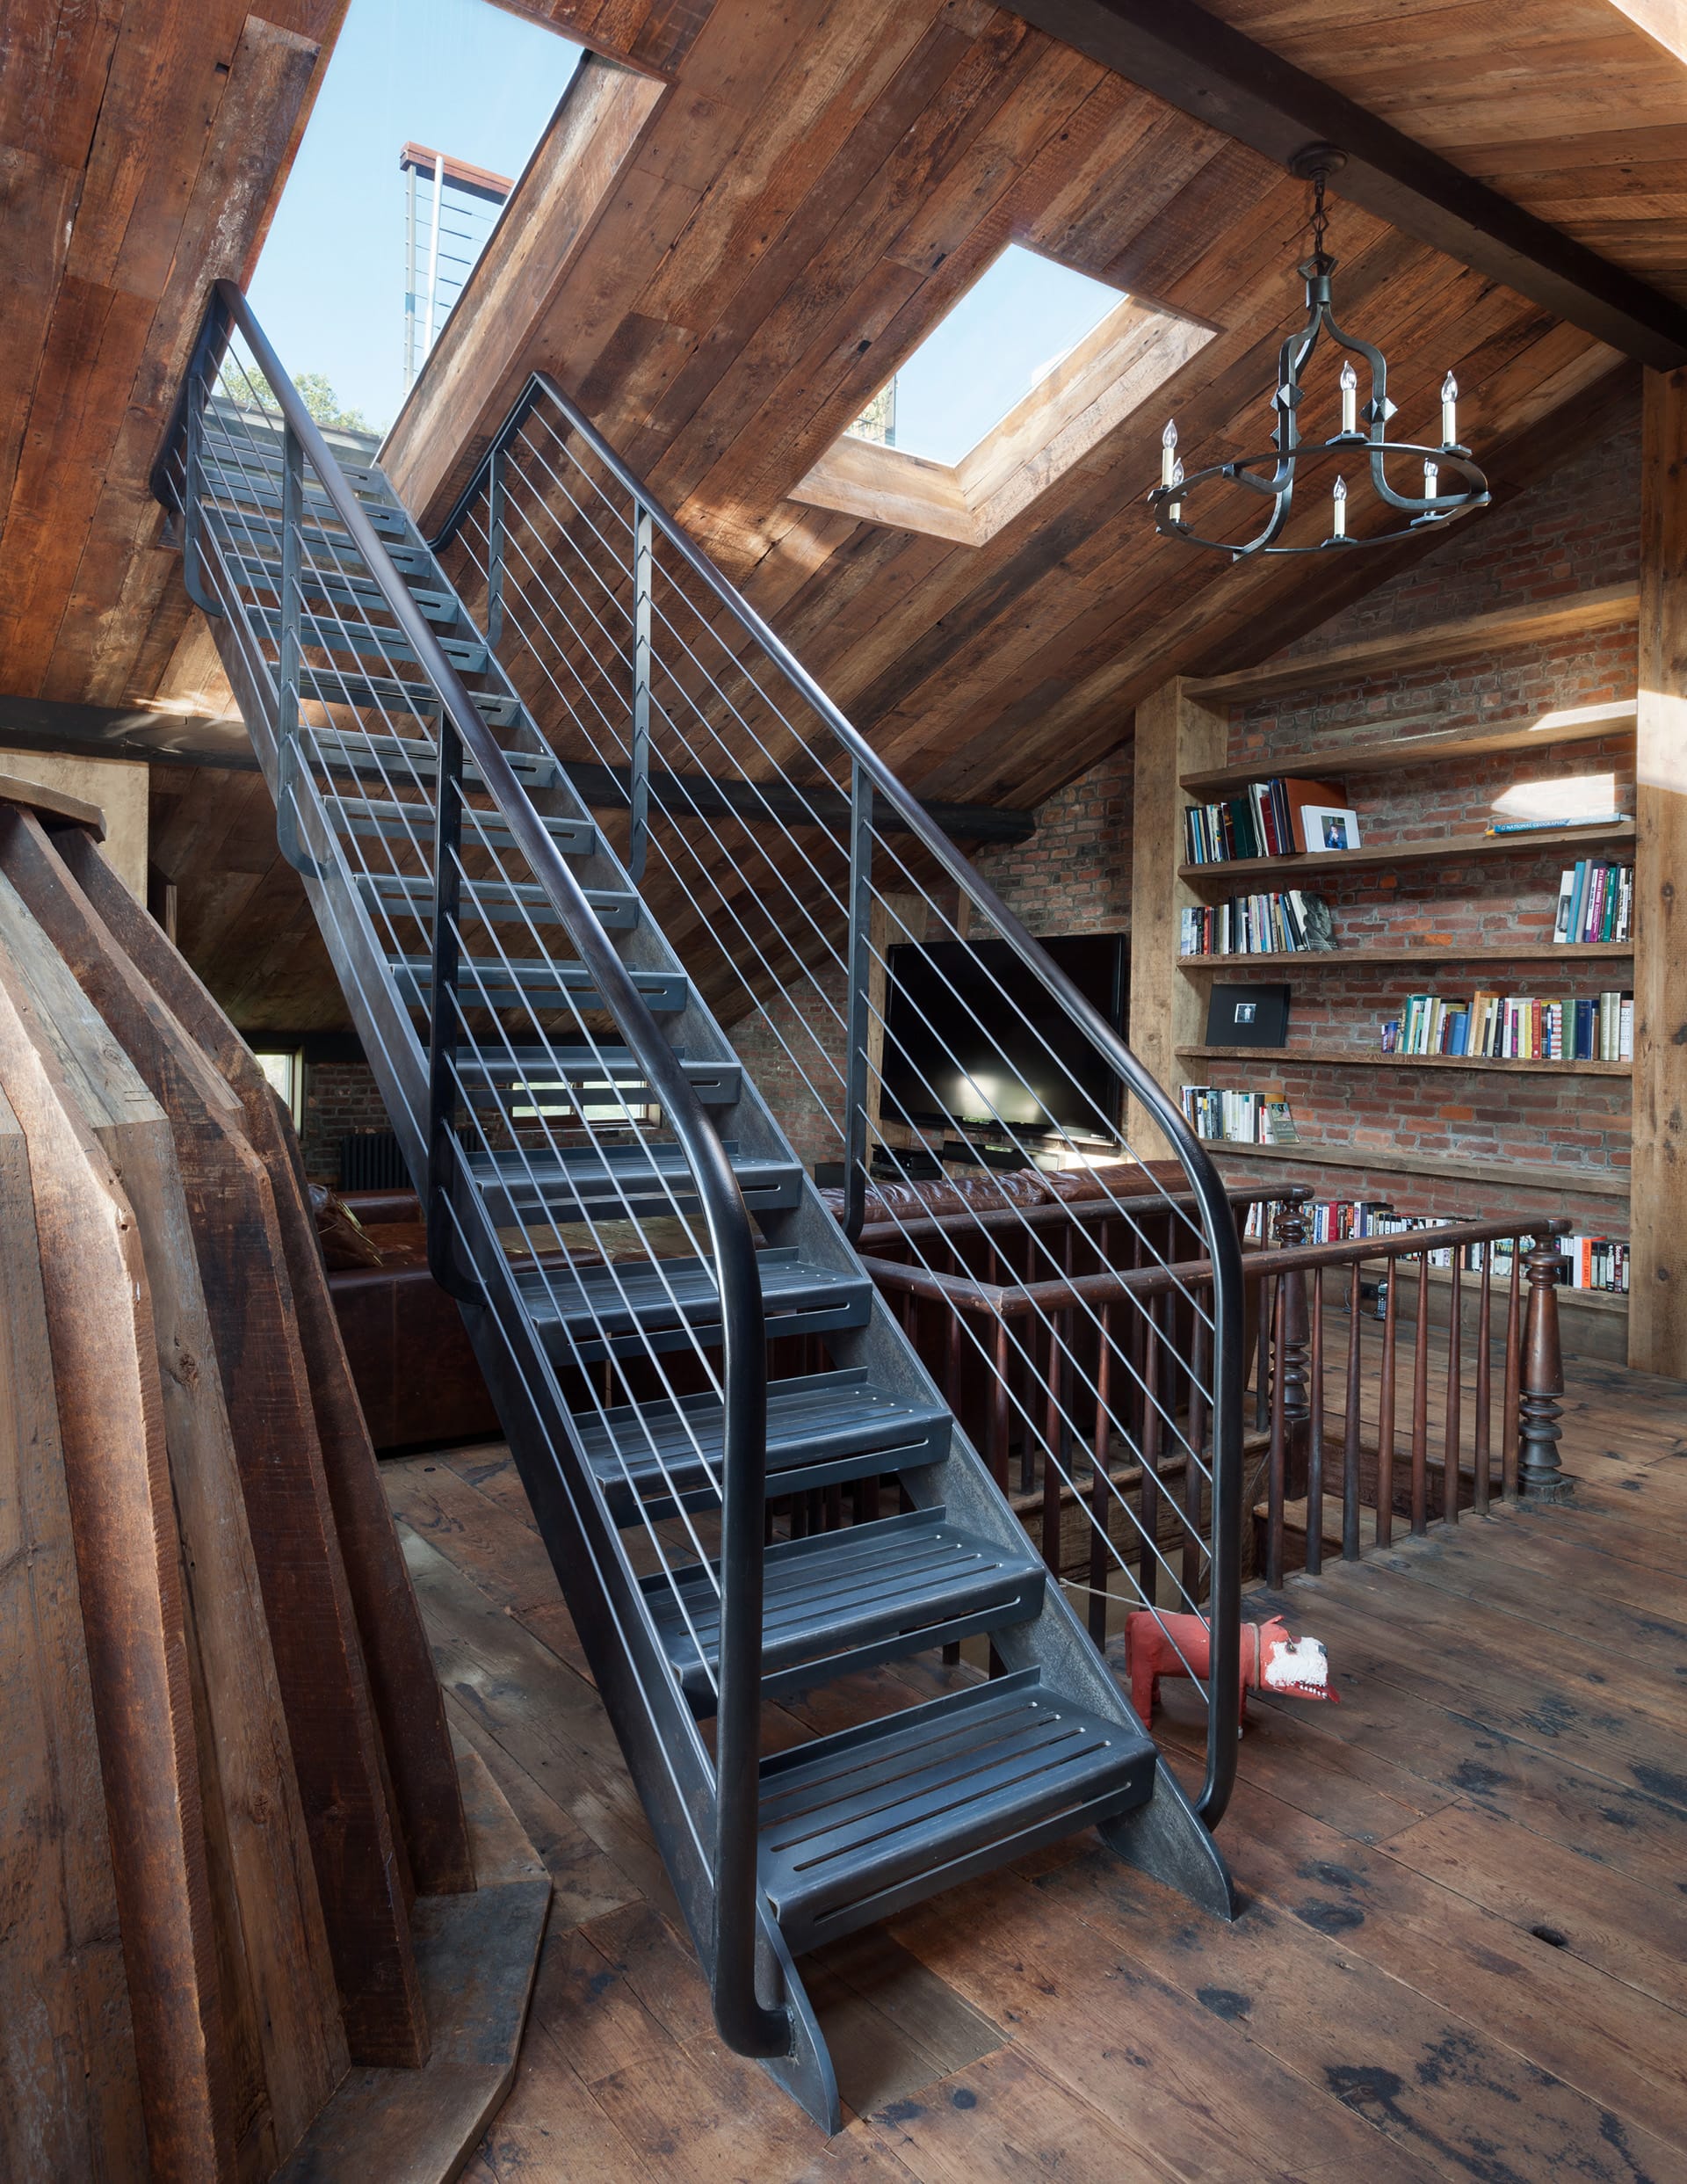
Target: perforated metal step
point(842, 1601)
point(612, 1073)
point(821, 1428)
point(860, 1825)
point(496, 985)
point(412, 823)
point(618, 1182)
point(598, 1311)
point(499, 902)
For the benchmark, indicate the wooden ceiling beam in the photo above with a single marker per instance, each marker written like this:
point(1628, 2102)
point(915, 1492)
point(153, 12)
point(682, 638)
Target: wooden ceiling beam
point(1195, 63)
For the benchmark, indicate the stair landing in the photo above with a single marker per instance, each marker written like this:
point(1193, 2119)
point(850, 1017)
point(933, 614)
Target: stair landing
point(1429, 1932)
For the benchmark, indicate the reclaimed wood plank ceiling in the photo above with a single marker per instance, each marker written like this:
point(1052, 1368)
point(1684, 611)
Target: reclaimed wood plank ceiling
point(142, 146)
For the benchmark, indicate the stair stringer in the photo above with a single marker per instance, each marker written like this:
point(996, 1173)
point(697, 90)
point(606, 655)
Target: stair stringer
point(657, 1732)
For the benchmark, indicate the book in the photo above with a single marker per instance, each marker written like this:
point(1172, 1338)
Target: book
point(1277, 924)
point(1262, 820)
point(1541, 826)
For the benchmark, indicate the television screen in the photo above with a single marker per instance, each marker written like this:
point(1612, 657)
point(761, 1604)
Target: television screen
point(962, 1039)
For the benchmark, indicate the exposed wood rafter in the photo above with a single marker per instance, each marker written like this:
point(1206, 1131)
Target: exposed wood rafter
point(1202, 66)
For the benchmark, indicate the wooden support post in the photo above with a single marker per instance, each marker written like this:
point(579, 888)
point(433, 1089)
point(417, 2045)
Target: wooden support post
point(361, 1870)
point(111, 1423)
point(1174, 735)
point(1657, 1304)
point(61, 1960)
point(414, 1738)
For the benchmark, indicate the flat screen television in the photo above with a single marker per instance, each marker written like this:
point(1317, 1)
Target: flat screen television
point(960, 1036)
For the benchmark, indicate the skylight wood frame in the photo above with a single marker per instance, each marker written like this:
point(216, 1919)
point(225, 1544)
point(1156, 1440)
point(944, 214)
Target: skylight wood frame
point(1102, 380)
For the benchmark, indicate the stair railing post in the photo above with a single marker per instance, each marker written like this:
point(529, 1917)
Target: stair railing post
point(444, 1024)
point(859, 970)
point(1540, 1479)
point(291, 652)
point(494, 547)
point(638, 832)
point(193, 491)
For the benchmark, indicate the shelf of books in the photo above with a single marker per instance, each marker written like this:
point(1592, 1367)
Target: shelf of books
point(1282, 872)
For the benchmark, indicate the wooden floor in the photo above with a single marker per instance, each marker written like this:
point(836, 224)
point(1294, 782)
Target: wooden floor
point(1463, 1952)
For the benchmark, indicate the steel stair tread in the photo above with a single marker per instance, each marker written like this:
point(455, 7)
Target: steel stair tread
point(343, 588)
point(243, 533)
point(518, 901)
point(857, 1824)
point(899, 1585)
point(592, 1305)
point(332, 633)
point(821, 1426)
point(533, 978)
point(544, 1177)
point(614, 1070)
point(393, 821)
point(343, 686)
point(358, 750)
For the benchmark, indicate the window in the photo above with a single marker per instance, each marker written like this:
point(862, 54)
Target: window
point(1018, 381)
point(284, 1072)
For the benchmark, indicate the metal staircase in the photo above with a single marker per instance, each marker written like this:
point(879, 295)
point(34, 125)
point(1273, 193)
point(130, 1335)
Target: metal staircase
point(648, 1275)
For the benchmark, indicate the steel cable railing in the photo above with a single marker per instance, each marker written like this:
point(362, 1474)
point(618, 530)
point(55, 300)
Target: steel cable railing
point(783, 845)
point(221, 484)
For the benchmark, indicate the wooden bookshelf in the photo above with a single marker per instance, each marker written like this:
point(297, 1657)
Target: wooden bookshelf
point(1383, 1160)
point(1400, 650)
point(1360, 1057)
point(1446, 849)
point(1585, 724)
point(1520, 952)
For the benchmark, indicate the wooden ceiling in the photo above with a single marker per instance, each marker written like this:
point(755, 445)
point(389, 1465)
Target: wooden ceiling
point(143, 145)
point(725, 248)
point(1575, 109)
point(783, 228)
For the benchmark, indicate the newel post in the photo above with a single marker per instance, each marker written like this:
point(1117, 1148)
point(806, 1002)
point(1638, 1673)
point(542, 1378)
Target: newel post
point(1538, 1476)
point(1294, 1361)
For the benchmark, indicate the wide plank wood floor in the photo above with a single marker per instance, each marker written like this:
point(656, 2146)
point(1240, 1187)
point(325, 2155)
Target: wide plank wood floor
point(1463, 1952)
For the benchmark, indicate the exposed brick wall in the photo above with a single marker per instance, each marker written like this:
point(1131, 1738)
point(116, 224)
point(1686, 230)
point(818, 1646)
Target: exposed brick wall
point(340, 1100)
point(1073, 874)
point(792, 1051)
point(1575, 532)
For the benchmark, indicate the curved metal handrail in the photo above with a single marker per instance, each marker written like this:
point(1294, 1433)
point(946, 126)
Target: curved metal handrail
point(747, 2025)
point(1217, 1223)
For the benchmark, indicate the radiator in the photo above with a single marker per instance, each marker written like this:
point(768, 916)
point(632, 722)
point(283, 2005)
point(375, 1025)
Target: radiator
point(371, 1161)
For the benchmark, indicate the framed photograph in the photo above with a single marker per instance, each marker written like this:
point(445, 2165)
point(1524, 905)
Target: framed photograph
point(1248, 1016)
point(1327, 826)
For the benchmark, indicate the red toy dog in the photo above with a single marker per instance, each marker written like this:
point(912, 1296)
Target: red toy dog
point(1181, 1645)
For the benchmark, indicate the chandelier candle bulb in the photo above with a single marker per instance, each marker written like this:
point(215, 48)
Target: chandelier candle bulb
point(1175, 478)
point(1167, 452)
point(1448, 411)
point(1431, 480)
point(1350, 397)
point(1338, 508)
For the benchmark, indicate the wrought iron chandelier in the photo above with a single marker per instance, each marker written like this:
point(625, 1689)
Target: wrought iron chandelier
point(1364, 432)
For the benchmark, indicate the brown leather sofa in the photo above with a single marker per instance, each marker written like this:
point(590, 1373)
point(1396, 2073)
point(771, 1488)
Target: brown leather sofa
point(416, 1372)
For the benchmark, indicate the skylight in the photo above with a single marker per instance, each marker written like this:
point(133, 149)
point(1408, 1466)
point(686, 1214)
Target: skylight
point(1013, 327)
point(1032, 367)
point(474, 80)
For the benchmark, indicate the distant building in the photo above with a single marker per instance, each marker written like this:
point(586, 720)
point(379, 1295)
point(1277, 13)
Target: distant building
point(450, 210)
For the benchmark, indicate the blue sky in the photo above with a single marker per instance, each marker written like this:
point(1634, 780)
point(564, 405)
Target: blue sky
point(1009, 327)
point(459, 75)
